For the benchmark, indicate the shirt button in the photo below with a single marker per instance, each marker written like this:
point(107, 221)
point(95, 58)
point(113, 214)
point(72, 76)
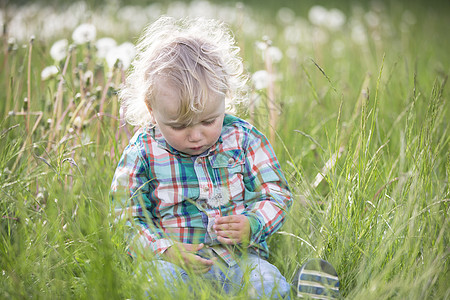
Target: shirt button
point(205, 188)
point(231, 161)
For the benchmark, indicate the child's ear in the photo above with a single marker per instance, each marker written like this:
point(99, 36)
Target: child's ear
point(150, 111)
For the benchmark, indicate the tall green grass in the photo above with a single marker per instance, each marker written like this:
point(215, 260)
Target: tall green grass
point(372, 120)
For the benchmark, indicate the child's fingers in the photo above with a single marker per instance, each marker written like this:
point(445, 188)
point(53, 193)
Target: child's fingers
point(192, 247)
point(198, 264)
point(227, 227)
point(229, 219)
point(227, 241)
point(232, 234)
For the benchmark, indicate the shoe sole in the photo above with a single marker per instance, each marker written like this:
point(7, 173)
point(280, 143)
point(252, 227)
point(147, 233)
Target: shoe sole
point(317, 279)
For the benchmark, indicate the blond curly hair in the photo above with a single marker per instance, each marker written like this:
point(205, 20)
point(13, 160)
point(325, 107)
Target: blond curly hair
point(198, 56)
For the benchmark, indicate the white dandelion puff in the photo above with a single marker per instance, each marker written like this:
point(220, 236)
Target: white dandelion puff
point(372, 19)
point(332, 19)
point(261, 79)
point(335, 19)
point(261, 45)
point(358, 34)
point(84, 33)
point(88, 77)
point(317, 15)
point(219, 199)
point(124, 53)
point(274, 53)
point(77, 122)
point(49, 72)
point(297, 33)
point(58, 51)
point(286, 15)
point(104, 45)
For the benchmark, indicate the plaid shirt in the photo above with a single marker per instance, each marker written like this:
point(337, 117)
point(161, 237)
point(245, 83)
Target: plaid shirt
point(173, 197)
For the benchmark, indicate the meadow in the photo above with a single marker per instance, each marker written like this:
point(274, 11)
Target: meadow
point(354, 99)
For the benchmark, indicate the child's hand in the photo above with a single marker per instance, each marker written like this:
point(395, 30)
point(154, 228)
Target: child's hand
point(234, 229)
point(184, 255)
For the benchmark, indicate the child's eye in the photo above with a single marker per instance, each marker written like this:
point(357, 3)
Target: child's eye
point(209, 122)
point(178, 127)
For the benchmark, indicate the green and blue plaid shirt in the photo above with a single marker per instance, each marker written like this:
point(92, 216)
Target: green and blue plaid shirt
point(171, 197)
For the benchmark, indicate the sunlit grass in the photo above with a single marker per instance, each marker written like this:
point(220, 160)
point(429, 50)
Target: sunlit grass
point(362, 133)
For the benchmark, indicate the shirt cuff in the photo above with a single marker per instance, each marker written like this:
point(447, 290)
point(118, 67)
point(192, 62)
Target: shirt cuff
point(142, 246)
point(256, 228)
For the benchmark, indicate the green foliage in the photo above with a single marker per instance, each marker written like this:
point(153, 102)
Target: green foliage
point(362, 134)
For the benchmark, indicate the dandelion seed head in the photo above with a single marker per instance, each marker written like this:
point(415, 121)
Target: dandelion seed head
point(317, 15)
point(260, 79)
point(77, 122)
point(124, 53)
point(297, 33)
point(104, 45)
point(12, 44)
point(274, 53)
point(285, 15)
point(335, 19)
point(49, 72)
point(88, 77)
point(220, 198)
point(11, 40)
point(261, 45)
point(358, 34)
point(84, 33)
point(372, 19)
point(332, 19)
point(59, 49)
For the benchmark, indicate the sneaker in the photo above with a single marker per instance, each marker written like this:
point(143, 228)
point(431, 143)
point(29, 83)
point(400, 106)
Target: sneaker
point(317, 279)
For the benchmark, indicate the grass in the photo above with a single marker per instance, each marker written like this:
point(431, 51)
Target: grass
point(379, 213)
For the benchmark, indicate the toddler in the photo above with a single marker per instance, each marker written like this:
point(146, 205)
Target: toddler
point(201, 188)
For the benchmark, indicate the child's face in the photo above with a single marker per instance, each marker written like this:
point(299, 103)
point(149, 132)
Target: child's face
point(194, 138)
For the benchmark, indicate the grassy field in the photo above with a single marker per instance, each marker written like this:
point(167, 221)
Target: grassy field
point(353, 98)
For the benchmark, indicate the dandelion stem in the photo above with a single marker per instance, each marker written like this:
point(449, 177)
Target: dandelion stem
point(30, 50)
point(102, 103)
point(273, 114)
point(58, 101)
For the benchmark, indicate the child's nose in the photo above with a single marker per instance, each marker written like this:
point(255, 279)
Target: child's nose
point(195, 135)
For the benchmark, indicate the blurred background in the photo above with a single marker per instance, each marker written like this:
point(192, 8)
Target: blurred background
point(352, 95)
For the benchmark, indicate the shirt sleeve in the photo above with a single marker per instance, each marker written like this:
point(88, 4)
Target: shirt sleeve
point(130, 190)
point(267, 194)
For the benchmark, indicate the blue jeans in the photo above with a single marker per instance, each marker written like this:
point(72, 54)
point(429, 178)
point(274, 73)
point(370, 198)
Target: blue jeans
point(264, 279)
